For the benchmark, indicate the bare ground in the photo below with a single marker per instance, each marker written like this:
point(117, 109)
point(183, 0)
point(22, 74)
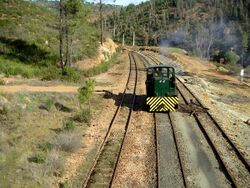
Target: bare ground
point(28, 88)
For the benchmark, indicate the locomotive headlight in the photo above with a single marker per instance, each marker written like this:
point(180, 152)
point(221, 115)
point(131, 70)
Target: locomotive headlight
point(163, 81)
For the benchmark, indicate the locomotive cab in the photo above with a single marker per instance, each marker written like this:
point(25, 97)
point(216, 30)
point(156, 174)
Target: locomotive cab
point(161, 88)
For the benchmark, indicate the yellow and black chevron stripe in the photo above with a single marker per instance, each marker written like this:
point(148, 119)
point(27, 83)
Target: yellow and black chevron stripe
point(162, 104)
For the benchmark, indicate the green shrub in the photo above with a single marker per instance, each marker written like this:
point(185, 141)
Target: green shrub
point(39, 157)
point(86, 91)
point(70, 74)
point(231, 57)
point(2, 82)
point(50, 73)
point(4, 111)
point(103, 67)
point(114, 59)
point(16, 68)
point(84, 116)
point(64, 184)
point(45, 146)
point(24, 46)
point(118, 50)
point(28, 73)
point(49, 103)
point(68, 125)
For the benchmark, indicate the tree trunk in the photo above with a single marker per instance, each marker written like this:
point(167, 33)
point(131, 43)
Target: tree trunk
point(123, 39)
point(70, 51)
point(61, 35)
point(114, 31)
point(145, 35)
point(133, 38)
point(209, 45)
point(101, 23)
point(67, 40)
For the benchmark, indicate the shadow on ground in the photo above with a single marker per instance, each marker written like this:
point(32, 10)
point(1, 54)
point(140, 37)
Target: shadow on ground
point(140, 100)
point(140, 103)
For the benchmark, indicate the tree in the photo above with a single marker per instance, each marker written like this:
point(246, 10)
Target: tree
point(71, 9)
point(244, 38)
point(101, 22)
point(231, 57)
point(61, 34)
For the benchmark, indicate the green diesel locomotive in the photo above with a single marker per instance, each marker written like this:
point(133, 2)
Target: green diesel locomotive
point(161, 89)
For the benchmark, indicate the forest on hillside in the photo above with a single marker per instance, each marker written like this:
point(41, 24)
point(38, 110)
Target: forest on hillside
point(203, 27)
point(29, 38)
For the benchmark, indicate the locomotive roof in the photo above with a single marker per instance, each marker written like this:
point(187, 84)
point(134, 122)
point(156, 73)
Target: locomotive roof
point(160, 66)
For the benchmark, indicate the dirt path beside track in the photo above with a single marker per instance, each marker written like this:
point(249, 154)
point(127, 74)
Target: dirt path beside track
point(28, 88)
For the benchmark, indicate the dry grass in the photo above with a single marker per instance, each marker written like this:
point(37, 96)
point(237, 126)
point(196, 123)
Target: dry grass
point(32, 132)
point(67, 141)
point(55, 162)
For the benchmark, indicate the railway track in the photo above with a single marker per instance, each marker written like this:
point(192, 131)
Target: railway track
point(169, 165)
point(137, 163)
point(169, 173)
point(106, 160)
point(235, 165)
point(170, 169)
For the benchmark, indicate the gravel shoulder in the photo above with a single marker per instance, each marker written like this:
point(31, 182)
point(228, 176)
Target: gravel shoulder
point(201, 166)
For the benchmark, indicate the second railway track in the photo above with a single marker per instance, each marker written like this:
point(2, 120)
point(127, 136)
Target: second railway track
point(107, 157)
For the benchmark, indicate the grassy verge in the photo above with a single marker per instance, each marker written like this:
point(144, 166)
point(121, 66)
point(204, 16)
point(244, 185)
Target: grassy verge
point(83, 168)
point(35, 141)
point(10, 67)
point(38, 131)
point(103, 67)
point(52, 72)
